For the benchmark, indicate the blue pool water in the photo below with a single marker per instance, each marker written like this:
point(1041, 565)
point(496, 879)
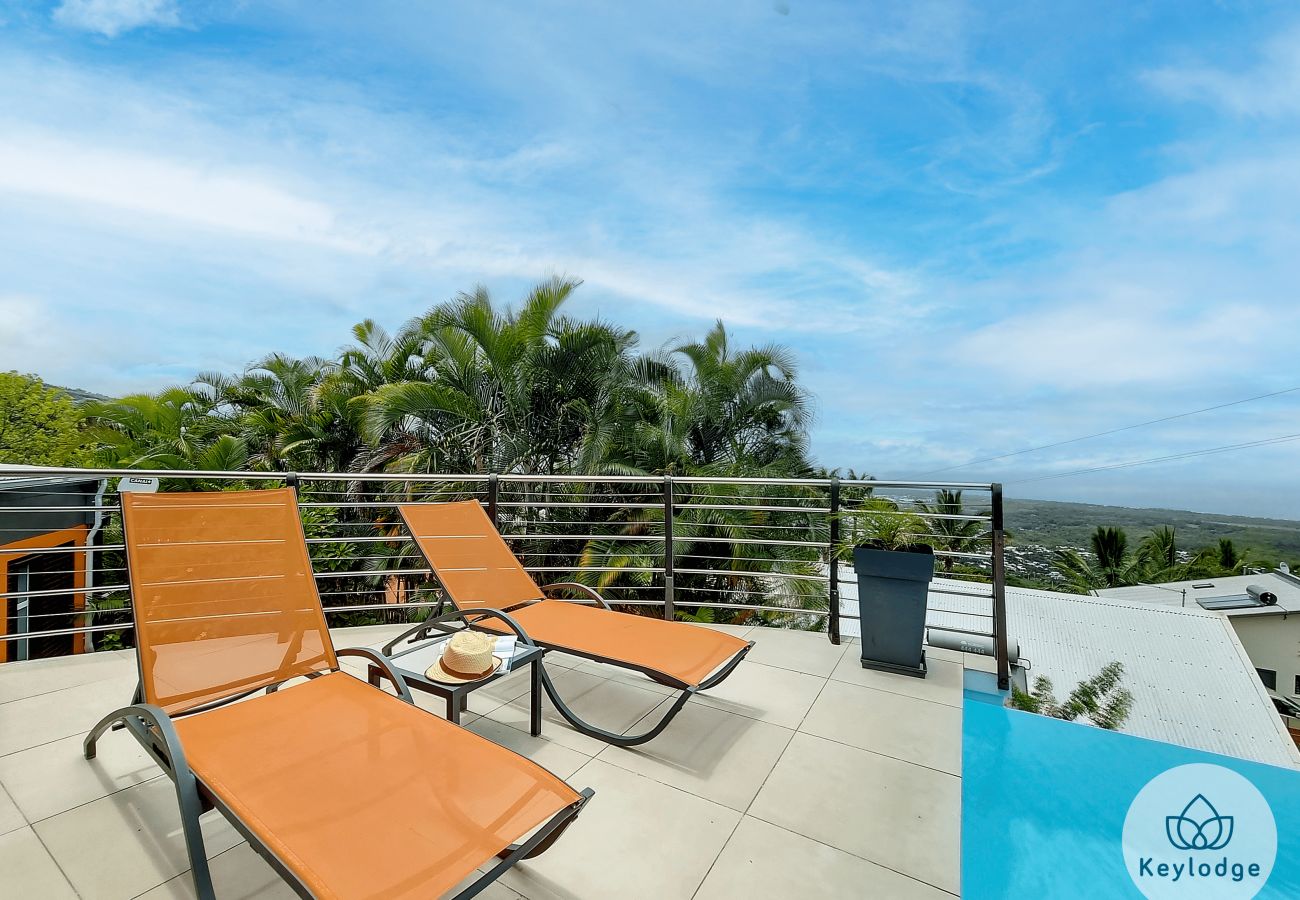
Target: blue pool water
point(1045, 802)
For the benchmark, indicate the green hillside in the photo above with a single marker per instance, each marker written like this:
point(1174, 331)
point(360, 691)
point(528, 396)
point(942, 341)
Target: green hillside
point(1053, 524)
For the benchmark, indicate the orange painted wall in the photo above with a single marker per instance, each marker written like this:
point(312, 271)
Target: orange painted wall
point(75, 536)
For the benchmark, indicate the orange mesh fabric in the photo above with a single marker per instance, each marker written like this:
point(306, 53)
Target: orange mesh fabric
point(472, 561)
point(224, 597)
point(364, 796)
point(477, 569)
point(688, 653)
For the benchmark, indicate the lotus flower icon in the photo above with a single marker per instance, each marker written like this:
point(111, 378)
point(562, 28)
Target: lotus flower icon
point(1199, 826)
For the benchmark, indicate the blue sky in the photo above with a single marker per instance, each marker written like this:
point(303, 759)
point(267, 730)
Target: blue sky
point(982, 226)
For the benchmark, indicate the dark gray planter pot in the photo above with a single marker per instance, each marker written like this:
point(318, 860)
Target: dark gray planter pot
point(893, 593)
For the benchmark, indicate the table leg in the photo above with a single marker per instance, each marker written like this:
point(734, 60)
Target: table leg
point(453, 709)
point(536, 700)
point(374, 676)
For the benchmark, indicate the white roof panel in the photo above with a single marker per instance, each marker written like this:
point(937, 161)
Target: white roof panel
point(1192, 682)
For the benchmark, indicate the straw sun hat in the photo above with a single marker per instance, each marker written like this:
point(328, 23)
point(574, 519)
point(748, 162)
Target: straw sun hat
point(466, 657)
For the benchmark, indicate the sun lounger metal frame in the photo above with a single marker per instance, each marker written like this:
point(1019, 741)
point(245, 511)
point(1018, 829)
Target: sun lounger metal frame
point(436, 622)
point(153, 728)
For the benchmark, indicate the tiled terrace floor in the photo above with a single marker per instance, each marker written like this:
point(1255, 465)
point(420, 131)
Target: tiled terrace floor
point(802, 776)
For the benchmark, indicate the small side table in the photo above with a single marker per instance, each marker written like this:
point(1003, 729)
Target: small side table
point(412, 663)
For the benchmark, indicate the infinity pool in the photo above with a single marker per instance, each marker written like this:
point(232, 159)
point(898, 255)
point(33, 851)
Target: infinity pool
point(1054, 809)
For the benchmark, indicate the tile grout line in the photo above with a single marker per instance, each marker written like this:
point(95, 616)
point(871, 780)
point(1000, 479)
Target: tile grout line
point(873, 862)
point(880, 754)
point(749, 806)
point(187, 873)
point(54, 859)
point(27, 823)
point(86, 803)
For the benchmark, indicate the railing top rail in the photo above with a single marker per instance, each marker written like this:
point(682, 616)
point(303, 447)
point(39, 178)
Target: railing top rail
point(56, 472)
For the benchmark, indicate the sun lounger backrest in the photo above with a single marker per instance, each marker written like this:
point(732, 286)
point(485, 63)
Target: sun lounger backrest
point(468, 555)
point(225, 601)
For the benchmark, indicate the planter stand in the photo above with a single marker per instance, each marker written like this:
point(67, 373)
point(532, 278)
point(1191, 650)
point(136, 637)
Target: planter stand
point(893, 593)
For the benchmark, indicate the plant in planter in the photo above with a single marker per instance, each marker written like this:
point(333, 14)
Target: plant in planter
point(894, 573)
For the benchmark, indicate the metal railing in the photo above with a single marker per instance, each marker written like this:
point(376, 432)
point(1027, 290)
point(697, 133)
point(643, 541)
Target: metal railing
point(744, 550)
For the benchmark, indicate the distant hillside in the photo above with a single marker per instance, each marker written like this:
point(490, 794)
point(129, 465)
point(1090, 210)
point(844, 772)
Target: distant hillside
point(77, 394)
point(1053, 524)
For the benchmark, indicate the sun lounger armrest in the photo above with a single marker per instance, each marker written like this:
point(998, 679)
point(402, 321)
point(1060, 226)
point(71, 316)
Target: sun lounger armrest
point(415, 632)
point(580, 588)
point(381, 660)
point(153, 728)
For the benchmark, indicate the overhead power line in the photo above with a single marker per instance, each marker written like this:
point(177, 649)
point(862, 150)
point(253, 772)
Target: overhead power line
point(1088, 437)
point(1155, 459)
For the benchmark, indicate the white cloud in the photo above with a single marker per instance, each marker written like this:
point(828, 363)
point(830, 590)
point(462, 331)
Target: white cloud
point(1268, 88)
point(113, 17)
point(1129, 339)
point(189, 192)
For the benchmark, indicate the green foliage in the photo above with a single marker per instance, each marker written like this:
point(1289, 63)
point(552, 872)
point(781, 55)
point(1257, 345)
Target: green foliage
point(1158, 559)
point(39, 425)
point(1100, 699)
point(1054, 524)
point(475, 387)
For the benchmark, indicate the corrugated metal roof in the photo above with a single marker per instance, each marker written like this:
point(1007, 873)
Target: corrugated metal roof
point(1192, 682)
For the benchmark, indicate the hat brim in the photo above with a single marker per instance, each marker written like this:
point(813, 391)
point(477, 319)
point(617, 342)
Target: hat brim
point(438, 672)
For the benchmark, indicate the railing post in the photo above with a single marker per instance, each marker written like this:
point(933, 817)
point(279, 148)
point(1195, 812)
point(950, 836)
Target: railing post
point(670, 611)
point(492, 493)
point(1000, 592)
point(834, 626)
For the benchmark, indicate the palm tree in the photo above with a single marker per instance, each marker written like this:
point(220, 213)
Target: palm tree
point(1115, 566)
point(703, 405)
point(952, 534)
point(526, 390)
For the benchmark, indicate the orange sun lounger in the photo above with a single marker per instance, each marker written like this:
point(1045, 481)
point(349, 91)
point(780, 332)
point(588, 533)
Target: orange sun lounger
point(347, 791)
point(480, 575)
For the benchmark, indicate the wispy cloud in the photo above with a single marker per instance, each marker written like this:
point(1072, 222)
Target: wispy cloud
point(113, 17)
point(1267, 86)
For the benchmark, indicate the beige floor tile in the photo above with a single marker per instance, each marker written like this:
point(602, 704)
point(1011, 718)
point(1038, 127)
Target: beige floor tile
point(798, 651)
point(11, 818)
point(28, 871)
point(542, 750)
point(625, 676)
point(45, 781)
point(237, 873)
point(127, 843)
point(494, 891)
point(707, 752)
point(917, 731)
point(40, 719)
point(610, 705)
point(41, 676)
point(767, 693)
point(940, 653)
point(898, 815)
point(636, 839)
point(373, 636)
point(740, 631)
point(763, 862)
point(942, 682)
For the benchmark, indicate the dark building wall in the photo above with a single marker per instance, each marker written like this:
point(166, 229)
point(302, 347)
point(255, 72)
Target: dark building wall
point(22, 516)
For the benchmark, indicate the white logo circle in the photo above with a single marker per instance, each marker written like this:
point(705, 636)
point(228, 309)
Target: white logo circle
point(1199, 831)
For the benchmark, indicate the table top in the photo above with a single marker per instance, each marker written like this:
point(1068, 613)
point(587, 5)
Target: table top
point(413, 662)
